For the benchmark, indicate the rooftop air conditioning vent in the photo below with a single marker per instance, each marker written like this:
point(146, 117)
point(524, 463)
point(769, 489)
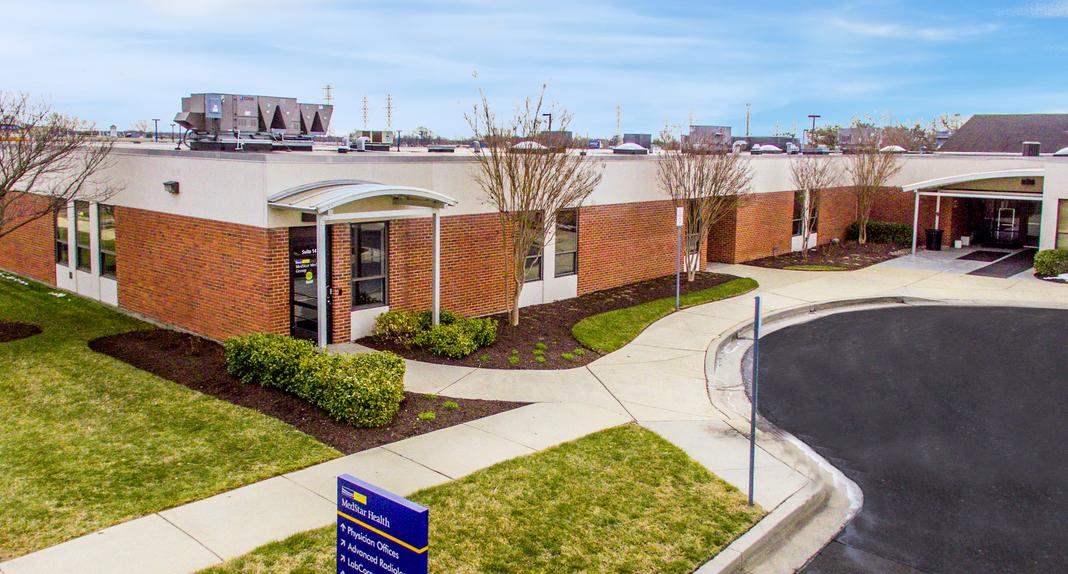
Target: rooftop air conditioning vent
point(1031, 149)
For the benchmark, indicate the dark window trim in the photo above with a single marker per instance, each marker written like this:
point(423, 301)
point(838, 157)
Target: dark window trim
point(574, 254)
point(100, 243)
point(354, 235)
point(539, 257)
point(78, 247)
point(62, 247)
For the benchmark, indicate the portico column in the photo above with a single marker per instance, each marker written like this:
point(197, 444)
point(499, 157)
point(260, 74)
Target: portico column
point(915, 221)
point(320, 280)
point(938, 210)
point(436, 276)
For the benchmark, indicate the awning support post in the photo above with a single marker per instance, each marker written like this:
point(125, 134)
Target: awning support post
point(915, 221)
point(938, 210)
point(436, 275)
point(320, 281)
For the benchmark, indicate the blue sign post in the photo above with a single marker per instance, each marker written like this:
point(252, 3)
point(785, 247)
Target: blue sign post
point(378, 531)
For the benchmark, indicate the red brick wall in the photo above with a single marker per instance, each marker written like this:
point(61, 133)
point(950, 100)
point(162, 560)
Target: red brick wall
point(214, 278)
point(624, 243)
point(30, 249)
point(764, 225)
point(722, 239)
point(341, 281)
point(473, 264)
point(838, 209)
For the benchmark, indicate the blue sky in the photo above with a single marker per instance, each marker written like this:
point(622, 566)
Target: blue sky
point(662, 61)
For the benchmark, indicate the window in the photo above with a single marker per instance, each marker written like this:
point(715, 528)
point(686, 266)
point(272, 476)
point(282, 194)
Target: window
point(62, 237)
point(370, 264)
point(814, 210)
point(81, 235)
point(532, 264)
point(566, 242)
point(105, 223)
point(1062, 224)
point(799, 209)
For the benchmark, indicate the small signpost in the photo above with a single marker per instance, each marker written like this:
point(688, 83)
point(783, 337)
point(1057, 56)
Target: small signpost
point(378, 531)
point(678, 253)
point(753, 397)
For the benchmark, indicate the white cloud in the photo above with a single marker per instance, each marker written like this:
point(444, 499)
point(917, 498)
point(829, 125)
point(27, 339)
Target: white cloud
point(907, 32)
point(1054, 9)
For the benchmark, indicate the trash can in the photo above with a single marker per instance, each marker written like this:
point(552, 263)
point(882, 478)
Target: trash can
point(934, 239)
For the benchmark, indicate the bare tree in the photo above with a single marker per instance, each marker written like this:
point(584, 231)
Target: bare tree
point(45, 155)
point(870, 170)
point(529, 182)
point(142, 126)
point(708, 184)
point(812, 175)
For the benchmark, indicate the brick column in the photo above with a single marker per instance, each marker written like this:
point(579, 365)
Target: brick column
point(341, 281)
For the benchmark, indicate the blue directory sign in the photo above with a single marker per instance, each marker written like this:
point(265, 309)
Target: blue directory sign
point(378, 531)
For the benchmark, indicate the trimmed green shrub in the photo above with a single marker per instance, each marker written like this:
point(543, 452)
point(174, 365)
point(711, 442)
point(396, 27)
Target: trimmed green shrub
point(882, 232)
point(453, 337)
point(398, 326)
point(1051, 262)
point(266, 359)
point(364, 390)
point(450, 405)
point(450, 340)
point(427, 416)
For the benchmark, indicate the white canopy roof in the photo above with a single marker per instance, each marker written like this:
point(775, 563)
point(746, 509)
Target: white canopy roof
point(529, 145)
point(322, 196)
point(979, 176)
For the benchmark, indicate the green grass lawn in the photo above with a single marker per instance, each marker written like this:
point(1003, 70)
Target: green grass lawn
point(621, 500)
point(89, 441)
point(607, 332)
point(814, 267)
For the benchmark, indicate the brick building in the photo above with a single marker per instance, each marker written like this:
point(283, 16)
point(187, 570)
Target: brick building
point(230, 244)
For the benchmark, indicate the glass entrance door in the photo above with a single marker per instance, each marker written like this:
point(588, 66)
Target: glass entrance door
point(303, 284)
point(1007, 227)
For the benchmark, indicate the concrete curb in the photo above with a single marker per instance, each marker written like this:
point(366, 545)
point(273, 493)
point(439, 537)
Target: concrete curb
point(774, 534)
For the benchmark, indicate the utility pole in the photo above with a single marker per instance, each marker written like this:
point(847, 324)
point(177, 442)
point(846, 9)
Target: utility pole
point(619, 124)
point(155, 135)
point(365, 112)
point(748, 109)
point(328, 94)
point(389, 112)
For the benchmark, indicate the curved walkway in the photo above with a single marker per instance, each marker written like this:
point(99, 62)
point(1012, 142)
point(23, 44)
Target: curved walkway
point(658, 380)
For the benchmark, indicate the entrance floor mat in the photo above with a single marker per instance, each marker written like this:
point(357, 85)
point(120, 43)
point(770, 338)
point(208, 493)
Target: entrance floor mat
point(984, 255)
point(1009, 266)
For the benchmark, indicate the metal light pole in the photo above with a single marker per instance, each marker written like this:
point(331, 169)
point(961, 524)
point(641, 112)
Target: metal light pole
point(754, 397)
point(172, 131)
point(809, 138)
point(155, 134)
point(550, 121)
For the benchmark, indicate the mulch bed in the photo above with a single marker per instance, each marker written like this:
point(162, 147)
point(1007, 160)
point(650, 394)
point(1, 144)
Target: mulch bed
point(200, 365)
point(849, 255)
point(551, 323)
point(13, 331)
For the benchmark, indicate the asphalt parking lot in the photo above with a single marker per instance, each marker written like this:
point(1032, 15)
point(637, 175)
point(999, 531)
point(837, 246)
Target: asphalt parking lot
point(952, 420)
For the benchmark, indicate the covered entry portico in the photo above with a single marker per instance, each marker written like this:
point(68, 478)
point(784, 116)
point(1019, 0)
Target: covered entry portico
point(996, 207)
point(354, 201)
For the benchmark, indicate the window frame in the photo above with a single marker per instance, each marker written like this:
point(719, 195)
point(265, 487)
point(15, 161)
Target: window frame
point(354, 278)
point(1060, 239)
point(101, 252)
point(813, 214)
point(798, 215)
point(556, 245)
point(536, 253)
point(78, 247)
point(62, 246)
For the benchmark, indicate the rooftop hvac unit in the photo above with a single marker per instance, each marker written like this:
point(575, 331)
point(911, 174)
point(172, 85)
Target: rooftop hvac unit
point(1031, 149)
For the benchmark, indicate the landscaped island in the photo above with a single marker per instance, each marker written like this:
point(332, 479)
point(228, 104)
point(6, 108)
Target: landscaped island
point(621, 500)
point(574, 332)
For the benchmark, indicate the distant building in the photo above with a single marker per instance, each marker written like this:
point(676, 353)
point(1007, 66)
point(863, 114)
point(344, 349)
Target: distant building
point(1006, 133)
point(851, 138)
point(644, 140)
point(714, 136)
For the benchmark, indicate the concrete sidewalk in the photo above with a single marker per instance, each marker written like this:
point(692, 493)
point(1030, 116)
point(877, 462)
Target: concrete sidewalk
point(658, 380)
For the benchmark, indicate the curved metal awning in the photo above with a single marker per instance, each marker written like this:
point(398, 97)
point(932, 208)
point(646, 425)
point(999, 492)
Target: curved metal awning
point(322, 196)
point(967, 177)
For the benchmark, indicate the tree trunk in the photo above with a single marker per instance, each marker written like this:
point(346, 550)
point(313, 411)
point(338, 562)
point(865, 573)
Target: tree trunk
point(513, 313)
point(862, 233)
